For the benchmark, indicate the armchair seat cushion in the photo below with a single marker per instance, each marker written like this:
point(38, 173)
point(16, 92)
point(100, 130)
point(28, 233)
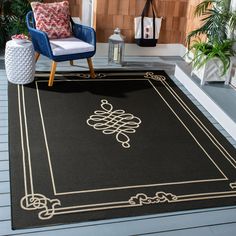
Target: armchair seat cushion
point(71, 45)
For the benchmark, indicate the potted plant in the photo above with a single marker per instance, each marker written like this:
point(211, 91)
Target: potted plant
point(211, 61)
point(211, 52)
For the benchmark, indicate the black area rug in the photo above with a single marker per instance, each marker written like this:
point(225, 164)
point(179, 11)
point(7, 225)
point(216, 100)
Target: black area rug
point(124, 144)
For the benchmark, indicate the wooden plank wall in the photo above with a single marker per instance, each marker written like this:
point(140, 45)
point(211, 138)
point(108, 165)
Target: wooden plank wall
point(192, 21)
point(178, 17)
point(75, 6)
point(120, 13)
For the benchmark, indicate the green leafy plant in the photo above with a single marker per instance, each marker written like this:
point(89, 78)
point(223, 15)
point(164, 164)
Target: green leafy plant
point(12, 18)
point(204, 52)
point(218, 22)
point(4, 18)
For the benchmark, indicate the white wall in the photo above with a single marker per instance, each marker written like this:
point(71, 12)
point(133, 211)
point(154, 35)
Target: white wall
point(233, 5)
point(87, 12)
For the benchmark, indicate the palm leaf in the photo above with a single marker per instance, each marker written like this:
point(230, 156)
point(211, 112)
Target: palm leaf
point(216, 21)
point(203, 52)
point(232, 21)
point(202, 7)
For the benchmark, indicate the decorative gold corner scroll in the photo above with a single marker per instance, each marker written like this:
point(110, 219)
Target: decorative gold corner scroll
point(87, 76)
point(232, 185)
point(37, 201)
point(160, 197)
point(151, 75)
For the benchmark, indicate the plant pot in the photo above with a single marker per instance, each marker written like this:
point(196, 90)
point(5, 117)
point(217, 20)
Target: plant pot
point(212, 71)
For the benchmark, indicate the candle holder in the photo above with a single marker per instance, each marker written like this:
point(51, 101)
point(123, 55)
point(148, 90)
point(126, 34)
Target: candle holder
point(116, 48)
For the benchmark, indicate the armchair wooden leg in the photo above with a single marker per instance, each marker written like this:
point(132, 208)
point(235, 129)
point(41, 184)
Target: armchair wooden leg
point(90, 64)
point(37, 55)
point(71, 62)
point(52, 74)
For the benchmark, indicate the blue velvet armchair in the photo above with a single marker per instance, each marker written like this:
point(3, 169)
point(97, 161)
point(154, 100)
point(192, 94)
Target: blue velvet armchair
point(84, 41)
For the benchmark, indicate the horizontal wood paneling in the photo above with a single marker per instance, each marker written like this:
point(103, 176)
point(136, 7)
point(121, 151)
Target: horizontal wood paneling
point(193, 22)
point(75, 6)
point(177, 16)
point(120, 13)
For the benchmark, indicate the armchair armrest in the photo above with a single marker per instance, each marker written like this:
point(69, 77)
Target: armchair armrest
point(41, 42)
point(85, 33)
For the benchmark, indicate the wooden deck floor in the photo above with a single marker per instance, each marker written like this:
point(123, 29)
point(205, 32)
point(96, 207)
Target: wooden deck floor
point(207, 222)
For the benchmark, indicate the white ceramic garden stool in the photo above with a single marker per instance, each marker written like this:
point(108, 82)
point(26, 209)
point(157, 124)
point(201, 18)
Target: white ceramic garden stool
point(19, 62)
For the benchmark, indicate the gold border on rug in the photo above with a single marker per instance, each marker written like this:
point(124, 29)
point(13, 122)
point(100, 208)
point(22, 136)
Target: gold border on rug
point(32, 200)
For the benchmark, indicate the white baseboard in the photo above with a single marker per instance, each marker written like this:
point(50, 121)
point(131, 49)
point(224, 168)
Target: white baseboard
point(135, 50)
point(217, 112)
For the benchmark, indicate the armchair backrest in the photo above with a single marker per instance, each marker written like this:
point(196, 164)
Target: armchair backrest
point(39, 39)
point(30, 20)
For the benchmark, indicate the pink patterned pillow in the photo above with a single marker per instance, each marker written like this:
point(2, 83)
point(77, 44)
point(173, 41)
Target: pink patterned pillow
point(53, 18)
